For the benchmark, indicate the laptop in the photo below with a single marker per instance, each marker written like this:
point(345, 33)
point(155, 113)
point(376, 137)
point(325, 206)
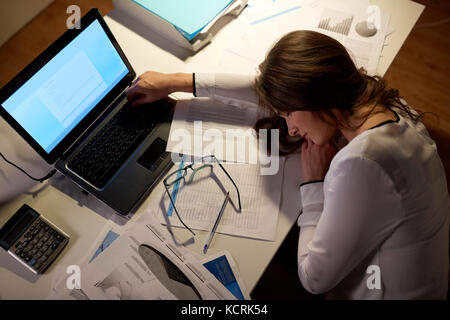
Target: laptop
point(69, 104)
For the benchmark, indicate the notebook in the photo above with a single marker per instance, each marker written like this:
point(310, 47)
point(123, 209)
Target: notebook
point(69, 104)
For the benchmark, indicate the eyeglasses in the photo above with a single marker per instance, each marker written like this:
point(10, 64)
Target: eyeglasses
point(195, 166)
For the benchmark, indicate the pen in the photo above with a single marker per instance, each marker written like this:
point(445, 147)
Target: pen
point(213, 230)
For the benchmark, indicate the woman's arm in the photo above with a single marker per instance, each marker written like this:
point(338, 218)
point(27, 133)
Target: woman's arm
point(341, 225)
point(234, 89)
point(228, 88)
point(152, 86)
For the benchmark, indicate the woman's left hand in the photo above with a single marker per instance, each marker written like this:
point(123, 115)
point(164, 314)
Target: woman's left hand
point(316, 160)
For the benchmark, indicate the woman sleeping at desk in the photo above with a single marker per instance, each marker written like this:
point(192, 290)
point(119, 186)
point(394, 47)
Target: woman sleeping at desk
point(375, 219)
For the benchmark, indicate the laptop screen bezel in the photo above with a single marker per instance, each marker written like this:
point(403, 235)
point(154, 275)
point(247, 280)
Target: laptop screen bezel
point(41, 61)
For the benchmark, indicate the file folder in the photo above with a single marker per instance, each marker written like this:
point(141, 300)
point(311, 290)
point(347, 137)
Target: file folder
point(187, 23)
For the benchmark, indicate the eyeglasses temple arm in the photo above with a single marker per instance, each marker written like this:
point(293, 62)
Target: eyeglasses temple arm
point(232, 181)
point(176, 211)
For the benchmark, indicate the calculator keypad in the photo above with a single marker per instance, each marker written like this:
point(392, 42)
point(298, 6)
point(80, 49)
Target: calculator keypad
point(39, 245)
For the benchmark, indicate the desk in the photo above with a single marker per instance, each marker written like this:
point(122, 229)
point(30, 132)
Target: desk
point(83, 223)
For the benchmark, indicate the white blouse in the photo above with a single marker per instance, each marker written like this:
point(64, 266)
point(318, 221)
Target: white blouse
point(378, 226)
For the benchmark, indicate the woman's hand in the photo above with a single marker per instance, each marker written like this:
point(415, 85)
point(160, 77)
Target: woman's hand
point(316, 160)
point(152, 86)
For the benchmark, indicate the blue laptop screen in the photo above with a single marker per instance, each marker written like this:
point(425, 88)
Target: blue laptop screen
point(55, 99)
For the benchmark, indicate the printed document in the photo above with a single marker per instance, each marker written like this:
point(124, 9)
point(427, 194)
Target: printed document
point(121, 273)
point(199, 200)
point(204, 126)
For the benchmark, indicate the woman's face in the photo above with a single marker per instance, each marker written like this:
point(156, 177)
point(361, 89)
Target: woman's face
point(310, 125)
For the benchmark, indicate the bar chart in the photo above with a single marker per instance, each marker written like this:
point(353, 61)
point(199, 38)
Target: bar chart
point(336, 21)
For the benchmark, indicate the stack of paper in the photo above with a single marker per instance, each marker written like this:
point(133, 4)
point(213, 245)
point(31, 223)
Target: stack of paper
point(123, 272)
point(362, 28)
point(204, 126)
point(115, 268)
point(199, 202)
point(201, 127)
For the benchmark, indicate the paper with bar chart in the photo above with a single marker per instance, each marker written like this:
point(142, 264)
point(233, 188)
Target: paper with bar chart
point(339, 20)
point(336, 21)
point(266, 21)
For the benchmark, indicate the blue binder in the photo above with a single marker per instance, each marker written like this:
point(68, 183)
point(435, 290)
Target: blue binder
point(189, 17)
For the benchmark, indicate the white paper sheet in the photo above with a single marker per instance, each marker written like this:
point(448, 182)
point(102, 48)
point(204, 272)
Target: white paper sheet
point(226, 269)
point(121, 273)
point(261, 24)
point(338, 20)
point(59, 289)
point(199, 202)
point(205, 126)
point(266, 28)
point(265, 22)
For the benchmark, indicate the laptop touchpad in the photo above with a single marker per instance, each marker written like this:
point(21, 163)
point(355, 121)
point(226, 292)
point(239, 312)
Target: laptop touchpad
point(154, 155)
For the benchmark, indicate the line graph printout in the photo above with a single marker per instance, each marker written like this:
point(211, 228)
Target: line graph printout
point(336, 21)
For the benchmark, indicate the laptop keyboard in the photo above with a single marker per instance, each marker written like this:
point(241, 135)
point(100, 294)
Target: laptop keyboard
point(113, 144)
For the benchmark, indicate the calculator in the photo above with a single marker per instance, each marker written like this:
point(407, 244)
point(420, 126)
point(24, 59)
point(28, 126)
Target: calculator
point(32, 239)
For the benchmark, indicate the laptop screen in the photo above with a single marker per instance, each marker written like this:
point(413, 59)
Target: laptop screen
point(56, 98)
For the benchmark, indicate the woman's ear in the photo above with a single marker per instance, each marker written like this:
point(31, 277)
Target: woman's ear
point(337, 113)
point(332, 117)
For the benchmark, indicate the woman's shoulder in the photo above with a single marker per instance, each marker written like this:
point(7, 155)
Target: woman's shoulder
point(395, 138)
point(402, 148)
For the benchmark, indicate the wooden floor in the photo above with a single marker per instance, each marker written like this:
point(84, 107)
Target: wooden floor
point(421, 70)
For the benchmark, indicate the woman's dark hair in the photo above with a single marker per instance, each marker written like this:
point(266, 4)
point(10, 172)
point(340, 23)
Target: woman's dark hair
point(309, 71)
